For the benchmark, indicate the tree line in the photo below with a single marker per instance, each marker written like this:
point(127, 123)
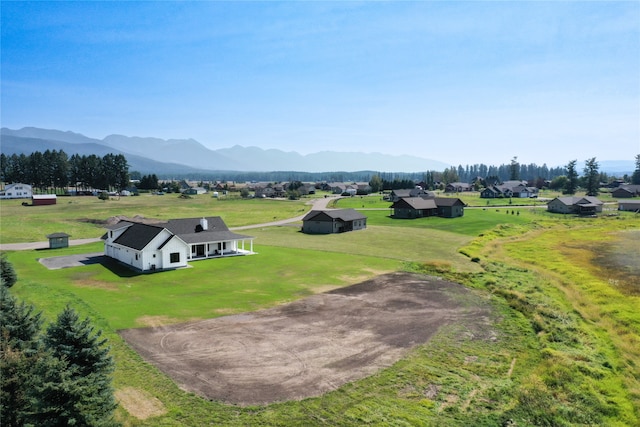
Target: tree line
point(59, 376)
point(55, 170)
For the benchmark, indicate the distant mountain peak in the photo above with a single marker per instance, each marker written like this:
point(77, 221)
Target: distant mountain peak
point(193, 154)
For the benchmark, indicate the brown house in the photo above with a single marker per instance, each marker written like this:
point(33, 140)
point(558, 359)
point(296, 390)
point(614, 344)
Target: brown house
point(450, 207)
point(626, 191)
point(414, 207)
point(418, 207)
point(333, 221)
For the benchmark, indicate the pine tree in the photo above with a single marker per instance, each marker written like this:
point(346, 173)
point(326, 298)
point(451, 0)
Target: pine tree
point(514, 169)
point(86, 381)
point(592, 177)
point(7, 273)
point(19, 329)
point(635, 177)
point(19, 323)
point(572, 178)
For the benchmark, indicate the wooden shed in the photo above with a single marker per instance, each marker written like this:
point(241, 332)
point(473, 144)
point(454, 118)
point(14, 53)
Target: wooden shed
point(58, 240)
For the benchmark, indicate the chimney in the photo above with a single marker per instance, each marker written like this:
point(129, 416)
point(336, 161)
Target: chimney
point(204, 223)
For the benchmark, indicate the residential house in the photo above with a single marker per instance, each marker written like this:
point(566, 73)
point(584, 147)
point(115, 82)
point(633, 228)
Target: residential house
point(587, 205)
point(363, 188)
point(307, 189)
point(509, 189)
point(494, 192)
point(16, 191)
point(410, 192)
point(338, 187)
point(450, 207)
point(626, 191)
point(270, 190)
point(333, 221)
point(458, 187)
point(195, 191)
point(419, 207)
point(629, 205)
point(172, 244)
point(414, 207)
point(523, 192)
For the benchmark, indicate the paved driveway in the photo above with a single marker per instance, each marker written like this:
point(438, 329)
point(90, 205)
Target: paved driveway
point(58, 262)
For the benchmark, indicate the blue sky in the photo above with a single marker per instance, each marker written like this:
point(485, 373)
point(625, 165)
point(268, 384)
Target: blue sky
point(459, 82)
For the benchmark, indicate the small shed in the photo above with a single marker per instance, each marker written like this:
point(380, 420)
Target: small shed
point(44, 199)
point(58, 240)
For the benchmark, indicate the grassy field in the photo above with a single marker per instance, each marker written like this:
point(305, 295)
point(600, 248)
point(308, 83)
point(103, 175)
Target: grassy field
point(565, 342)
point(81, 217)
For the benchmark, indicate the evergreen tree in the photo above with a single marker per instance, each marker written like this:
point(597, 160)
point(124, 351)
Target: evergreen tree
point(7, 273)
point(19, 324)
point(19, 328)
point(592, 177)
point(4, 167)
point(86, 381)
point(514, 170)
point(571, 184)
point(635, 178)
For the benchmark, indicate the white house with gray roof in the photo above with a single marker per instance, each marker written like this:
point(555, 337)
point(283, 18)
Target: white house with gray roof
point(171, 244)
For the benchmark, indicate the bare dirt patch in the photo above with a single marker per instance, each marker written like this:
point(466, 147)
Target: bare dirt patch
point(139, 403)
point(311, 346)
point(155, 321)
point(619, 261)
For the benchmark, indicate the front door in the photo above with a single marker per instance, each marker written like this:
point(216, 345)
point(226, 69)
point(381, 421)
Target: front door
point(199, 250)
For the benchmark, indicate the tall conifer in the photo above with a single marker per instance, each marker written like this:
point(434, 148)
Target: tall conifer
point(86, 380)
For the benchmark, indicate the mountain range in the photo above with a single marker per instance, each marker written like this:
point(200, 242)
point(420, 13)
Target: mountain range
point(151, 155)
point(188, 156)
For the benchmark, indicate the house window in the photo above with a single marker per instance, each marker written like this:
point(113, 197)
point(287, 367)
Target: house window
point(174, 257)
point(136, 257)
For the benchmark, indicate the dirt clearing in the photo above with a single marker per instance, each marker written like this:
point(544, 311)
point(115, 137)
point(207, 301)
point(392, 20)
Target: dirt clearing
point(311, 346)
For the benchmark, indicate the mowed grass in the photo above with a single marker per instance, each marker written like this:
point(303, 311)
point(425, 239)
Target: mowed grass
point(81, 216)
point(207, 289)
point(405, 244)
point(472, 223)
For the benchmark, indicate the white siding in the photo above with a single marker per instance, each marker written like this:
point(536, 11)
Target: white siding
point(175, 245)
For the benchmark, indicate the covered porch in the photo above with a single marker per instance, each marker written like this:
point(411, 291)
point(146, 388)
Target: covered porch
point(218, 249)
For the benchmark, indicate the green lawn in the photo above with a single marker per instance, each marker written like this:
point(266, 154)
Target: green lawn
point(206, 289)
point(382, 242)
point(473, 222)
